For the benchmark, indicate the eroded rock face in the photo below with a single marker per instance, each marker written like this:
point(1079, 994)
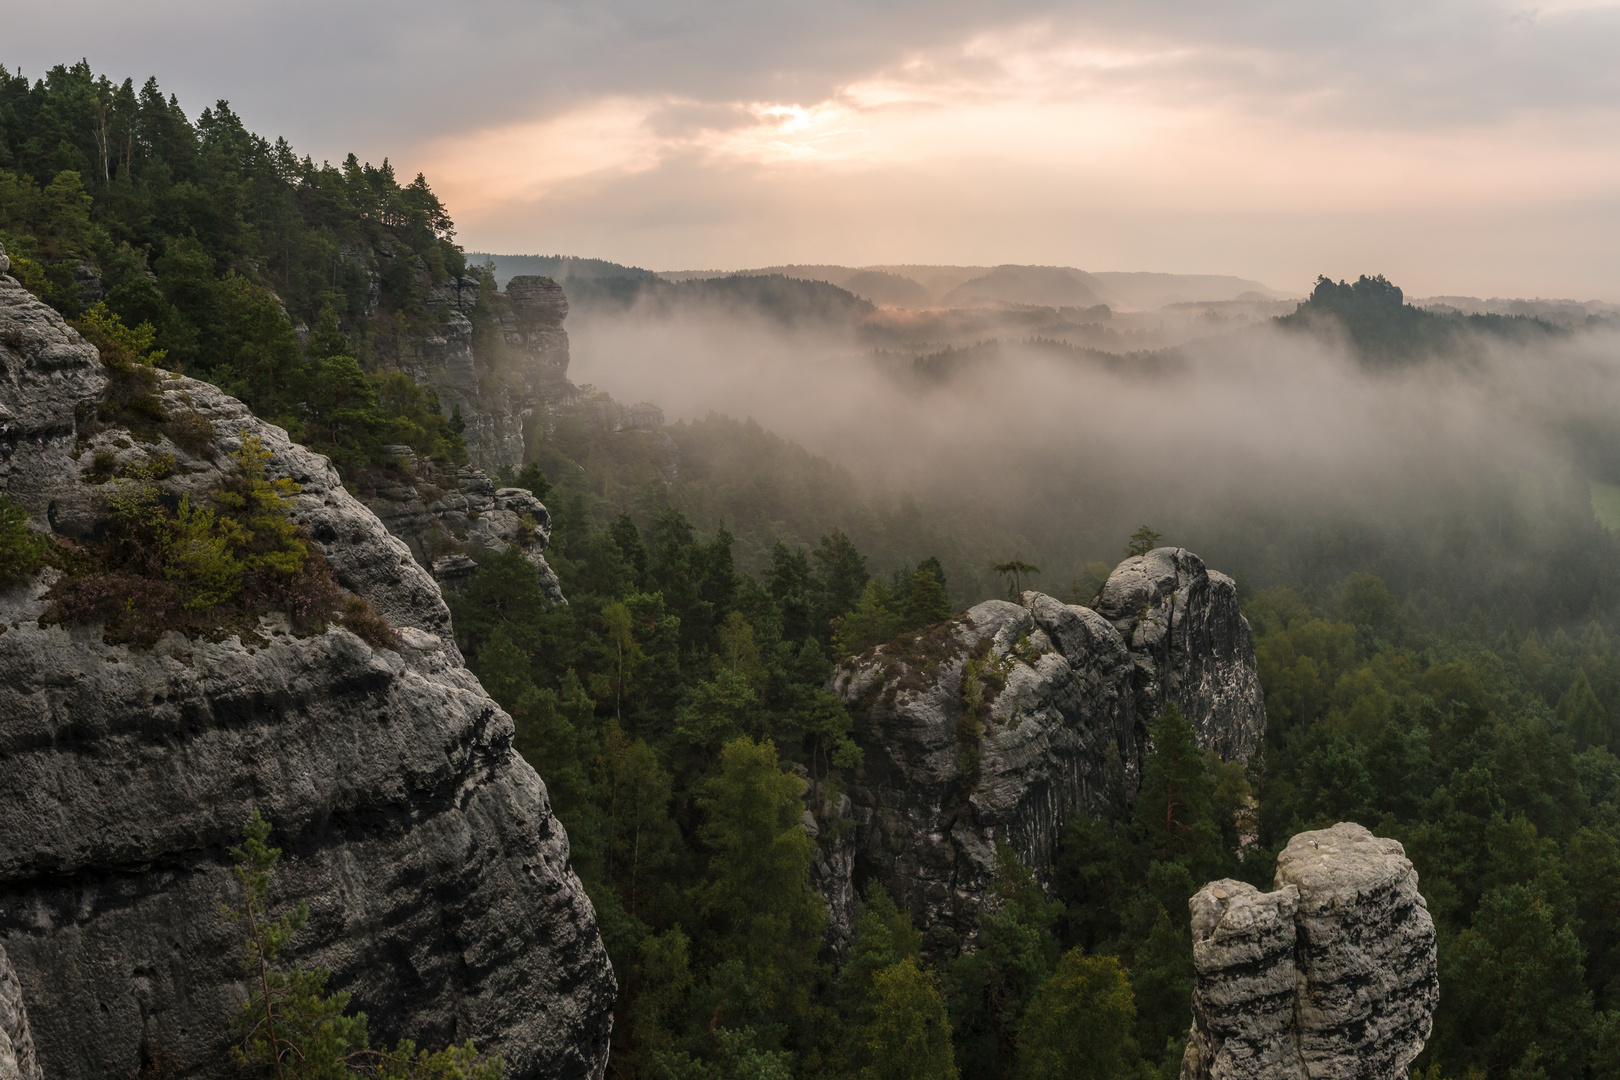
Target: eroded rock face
point(1190, 645)
point(446, 514)
point(436, 874)
point(1330, 977)
point(1003, 722)
point(17, 1060)
point(498, 396)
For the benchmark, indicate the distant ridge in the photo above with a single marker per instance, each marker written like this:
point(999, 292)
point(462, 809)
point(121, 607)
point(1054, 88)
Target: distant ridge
point(556, 267)
point(920, 285)
point(907, 285)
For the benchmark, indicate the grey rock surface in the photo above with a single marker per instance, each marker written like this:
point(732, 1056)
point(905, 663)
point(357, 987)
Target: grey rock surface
point(1190, 644)
point(447, 513)
point(1057, 692)
point(17, 1059)
point(500, 392)
point(1332, 976)
point(436, 874)
point(832, 874)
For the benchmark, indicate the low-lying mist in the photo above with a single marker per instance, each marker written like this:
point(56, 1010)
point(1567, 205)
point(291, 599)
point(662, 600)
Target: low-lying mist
point(1274, 453)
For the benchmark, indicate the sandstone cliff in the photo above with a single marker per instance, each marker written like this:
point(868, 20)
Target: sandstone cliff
point(437, 877)
point(17, 1059)
point(517, 375)
point(514, 381)
point(447, 514)
point(1330, 977)
point(1001, 723)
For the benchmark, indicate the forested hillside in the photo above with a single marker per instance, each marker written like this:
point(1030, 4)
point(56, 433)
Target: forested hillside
point(1445, 671)
point(116, 206)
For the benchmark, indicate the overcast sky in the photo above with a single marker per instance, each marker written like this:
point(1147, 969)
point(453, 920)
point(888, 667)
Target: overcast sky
point(1459, 147)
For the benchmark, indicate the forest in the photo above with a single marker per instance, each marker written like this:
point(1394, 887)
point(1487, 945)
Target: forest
point(1461, 698)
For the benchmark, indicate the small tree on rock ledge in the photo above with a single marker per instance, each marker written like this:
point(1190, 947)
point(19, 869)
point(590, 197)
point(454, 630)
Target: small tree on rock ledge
point(291, 1026)
point(1143, 540)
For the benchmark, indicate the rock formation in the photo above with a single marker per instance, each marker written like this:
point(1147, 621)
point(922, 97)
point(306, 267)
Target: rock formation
point(17, 1060)
point(446, 514)
point(515, 382)
point(1001, 723)
point(1330, 977)
point(437, 877)
point(1189, 644)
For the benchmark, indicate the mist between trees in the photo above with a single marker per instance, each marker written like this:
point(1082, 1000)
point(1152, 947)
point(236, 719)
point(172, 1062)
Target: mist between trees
point(1278, 454)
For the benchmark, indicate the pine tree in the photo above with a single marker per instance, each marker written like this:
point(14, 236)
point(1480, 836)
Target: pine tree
point(766, 922)
point(1582, 714)
point(909, 1035)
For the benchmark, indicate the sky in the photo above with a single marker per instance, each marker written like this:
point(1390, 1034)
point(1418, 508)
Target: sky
point(1465, 148)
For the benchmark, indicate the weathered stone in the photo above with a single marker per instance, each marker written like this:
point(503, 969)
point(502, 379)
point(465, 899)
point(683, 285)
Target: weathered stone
point(1191, 645)
point(1063, 731)
point(1243, 1010)
point(444, 512)
point(436, 874)
point(17, 1060)
point(538, 302)
point(500, 392)
point(1331, 977)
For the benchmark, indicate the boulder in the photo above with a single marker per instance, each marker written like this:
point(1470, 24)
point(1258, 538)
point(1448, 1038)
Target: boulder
point(1330, 977)
point(436, 875)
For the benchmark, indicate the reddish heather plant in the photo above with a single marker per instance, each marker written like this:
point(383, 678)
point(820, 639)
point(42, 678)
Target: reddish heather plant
point(362, 619)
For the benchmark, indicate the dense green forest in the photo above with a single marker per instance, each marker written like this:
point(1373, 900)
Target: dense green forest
point(113, 202)
point(1459, 692)
point(664, 703)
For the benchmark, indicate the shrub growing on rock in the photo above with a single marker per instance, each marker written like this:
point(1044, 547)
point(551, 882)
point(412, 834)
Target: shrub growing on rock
point(291, 1026)
point(196, 568)
point(21, 551)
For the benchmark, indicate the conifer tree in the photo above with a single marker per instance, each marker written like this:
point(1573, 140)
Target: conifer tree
point(767, 924)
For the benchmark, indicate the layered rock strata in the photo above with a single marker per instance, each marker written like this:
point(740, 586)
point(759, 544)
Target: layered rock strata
point(500, 390)
point(437, 877)
point(1332, 976)
point(447, 514)
point(1005, 721)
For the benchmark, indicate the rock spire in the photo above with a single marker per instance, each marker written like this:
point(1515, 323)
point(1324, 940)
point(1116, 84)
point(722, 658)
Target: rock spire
point(1331, 976)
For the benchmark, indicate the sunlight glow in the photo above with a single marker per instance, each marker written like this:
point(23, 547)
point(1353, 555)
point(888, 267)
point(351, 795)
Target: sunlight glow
point(1038, 123)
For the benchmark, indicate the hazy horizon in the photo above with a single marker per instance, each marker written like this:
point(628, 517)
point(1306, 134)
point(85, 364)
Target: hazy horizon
point(1457, 148)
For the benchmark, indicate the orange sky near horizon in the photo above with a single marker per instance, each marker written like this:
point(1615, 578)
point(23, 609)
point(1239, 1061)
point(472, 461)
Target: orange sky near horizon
point(1457, 146)
point(1023, 147)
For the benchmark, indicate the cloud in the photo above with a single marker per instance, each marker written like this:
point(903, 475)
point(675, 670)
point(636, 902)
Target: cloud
point(1053, 126)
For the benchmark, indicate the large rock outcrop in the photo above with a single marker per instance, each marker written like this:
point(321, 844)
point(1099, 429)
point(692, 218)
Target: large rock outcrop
point(447, 514)
point(1189, 644)
point(1331, 976)
point(517, 376)
point(1003, 722)
point(516, 381)
point(437, 877)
